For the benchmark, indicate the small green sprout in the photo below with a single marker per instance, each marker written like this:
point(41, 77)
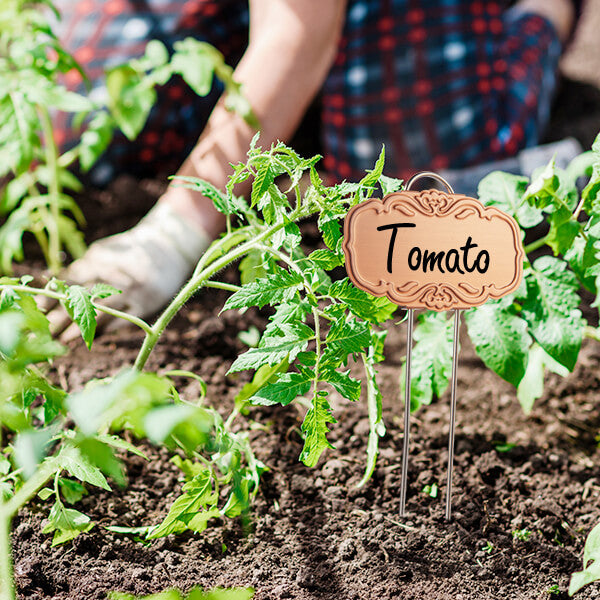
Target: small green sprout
point(553, 589)
point(489, 547)
point(521, 534)
point(431, 490)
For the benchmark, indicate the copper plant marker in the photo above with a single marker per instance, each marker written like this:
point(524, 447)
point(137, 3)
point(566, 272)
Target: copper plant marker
point(437, 251)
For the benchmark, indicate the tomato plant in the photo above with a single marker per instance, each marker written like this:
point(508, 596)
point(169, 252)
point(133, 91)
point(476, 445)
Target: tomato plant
point(321, 332)
point(37, 198)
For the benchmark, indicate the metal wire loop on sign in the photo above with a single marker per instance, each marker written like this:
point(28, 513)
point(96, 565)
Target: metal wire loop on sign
point(428, 175)
point(407, 382)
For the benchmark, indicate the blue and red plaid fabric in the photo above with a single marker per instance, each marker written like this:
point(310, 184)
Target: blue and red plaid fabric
point(442, 83)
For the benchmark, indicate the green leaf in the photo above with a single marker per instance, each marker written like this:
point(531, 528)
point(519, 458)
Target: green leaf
point(542, 191)
point(262, 376)
point(343, 384)
point(550, 308)
point(219, 199)
point(252, 267)
point(78, 465)
point(500, 338)
point(360, 303)
point(294, 338)
point(431, 359)
point(368, 182)
point(277, 288)
point(389, 185)
point(130, 99)
point(531, 387)
point(71, 491)
point(79, 301)
point(315, 429)
point(326, 259)
point(287, 388)
point(591, 563)
point(195, 62)
point(350, 336)
point(103, 290)
point(506, 191)
point(581, 257)
point(263, 179)
point(66, 523)
point(95, 139)
point(192, 509)
point(563, 231)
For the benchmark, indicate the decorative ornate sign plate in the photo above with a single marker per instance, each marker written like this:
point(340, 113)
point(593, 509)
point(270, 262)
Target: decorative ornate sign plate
point(432, 250)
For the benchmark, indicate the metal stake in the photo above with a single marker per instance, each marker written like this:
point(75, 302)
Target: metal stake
point(404, 477)
point(452, 416)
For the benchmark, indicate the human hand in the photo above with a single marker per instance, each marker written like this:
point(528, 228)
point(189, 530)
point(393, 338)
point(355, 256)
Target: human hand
point(148, 263)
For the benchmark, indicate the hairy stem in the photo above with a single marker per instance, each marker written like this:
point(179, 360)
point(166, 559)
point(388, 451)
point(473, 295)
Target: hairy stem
point(198, 281)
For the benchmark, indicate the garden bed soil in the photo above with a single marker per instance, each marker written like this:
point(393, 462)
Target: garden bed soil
point(312, 534)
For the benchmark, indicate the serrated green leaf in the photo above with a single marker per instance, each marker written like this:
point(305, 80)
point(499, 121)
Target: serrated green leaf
point(315, 429)
point(351, 336)
point(360, 303)
point(563, 230)
point(501, 339)
point(287, 388)
point(326, 259)
point(79, 301)
point(389, 185)
point(279, 287)
point(103, 290)
point(262, 376)
point(293, 339)
point(263, 179)
point(542, 191)
point(252, 267)
point(343, 384)
point(581, 256)
point(368, 182)
point(551, 310)
point(218, 198)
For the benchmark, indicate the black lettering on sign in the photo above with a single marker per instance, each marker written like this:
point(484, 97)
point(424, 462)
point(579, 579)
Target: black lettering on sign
point(429, 259)
point(394, 227)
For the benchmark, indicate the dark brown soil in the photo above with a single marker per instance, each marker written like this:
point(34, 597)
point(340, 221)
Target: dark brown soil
point(313, 534)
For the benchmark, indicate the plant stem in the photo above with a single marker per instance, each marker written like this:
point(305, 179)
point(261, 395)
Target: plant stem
point(7, 511)
point(535, 245)
point(51, 152)
point(113, 312)
point(7, 586)
point(374, 420)
point(199, 280)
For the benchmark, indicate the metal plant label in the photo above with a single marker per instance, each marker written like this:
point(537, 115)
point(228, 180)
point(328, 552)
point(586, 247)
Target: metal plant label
point(432, 250)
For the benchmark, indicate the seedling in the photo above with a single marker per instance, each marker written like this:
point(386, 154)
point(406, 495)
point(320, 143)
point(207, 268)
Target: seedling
point(521, 535)
point(489, 547)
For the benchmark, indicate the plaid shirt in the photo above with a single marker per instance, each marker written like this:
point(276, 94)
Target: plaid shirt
point(442, 83)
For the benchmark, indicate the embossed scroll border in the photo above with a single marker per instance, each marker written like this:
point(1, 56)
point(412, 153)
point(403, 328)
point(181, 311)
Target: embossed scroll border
point(434, 296)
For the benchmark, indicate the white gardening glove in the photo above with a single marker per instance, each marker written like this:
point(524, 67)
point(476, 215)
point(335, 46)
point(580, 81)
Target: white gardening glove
point(148, 263)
